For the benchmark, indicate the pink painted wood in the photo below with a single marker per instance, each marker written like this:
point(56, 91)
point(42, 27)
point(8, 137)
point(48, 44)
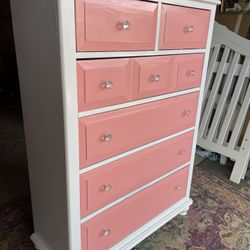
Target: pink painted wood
point(105, 135)
point(189, 71)
point(103, 25)
point(103, 82)
point(111, 226)
point(183, 28)
point(152, 76)
point(164, 74)
point(102, 186)
point(136, 78)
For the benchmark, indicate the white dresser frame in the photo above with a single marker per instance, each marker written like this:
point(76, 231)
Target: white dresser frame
point(44, 34)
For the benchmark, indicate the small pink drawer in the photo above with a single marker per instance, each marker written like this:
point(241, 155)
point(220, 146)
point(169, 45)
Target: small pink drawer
point(103, 82)
point(108, 25)
point(152, 76)
point(111, 226)
point(183, 27)
point(105, 135)
point(189, 71)
point(102, 186)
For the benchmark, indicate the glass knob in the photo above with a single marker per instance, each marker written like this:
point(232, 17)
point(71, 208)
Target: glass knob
point(191, 72)
point(187, 113)
point(106, 137)
point(178, 188)
point(106, 187)
point(189, 29)
point(107, 85)
point(124, 25)
point(106, 232)
point(182, 152)
point(155, 78)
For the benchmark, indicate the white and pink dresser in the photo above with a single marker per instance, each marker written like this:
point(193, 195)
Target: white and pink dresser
point(111, 95)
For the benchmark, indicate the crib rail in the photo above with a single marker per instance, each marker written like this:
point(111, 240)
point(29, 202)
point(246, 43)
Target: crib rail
point(227, 99)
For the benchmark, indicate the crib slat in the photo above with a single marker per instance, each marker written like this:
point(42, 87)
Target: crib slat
point(240, 120)
point(213, 94)
point(211, 66)
point(233, 102)
point(223, 97)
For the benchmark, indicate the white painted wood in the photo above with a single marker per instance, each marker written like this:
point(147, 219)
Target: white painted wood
point(39, 67)
point(66, 25)
point(212, 97)
point(203, 82)
point(112, 54)
point(233, 102)
point(45, 44)
point(223, 160)
point(135, 150)
point(223, 98)
point(133, 192)
point(230, 107)
point(243, 158)
point(240, 120)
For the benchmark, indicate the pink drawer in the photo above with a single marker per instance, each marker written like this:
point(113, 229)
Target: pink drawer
point(106, 25)
point(152, 76)
point(183, 27)
point(111, 226)
point(105, 135)
point(102, 186)
point(103, 82)
point(189, 71)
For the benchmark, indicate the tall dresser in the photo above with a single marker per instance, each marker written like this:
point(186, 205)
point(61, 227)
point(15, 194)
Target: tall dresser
point(111, 95)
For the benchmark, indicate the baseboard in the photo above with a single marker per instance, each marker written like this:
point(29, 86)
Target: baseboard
point(139, 235)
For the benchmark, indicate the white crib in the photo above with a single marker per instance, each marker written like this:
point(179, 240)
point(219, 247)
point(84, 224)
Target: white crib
point(226, 101)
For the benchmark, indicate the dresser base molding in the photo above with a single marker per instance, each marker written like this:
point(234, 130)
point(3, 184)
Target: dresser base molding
point(135, 238)
point(39, 243)
point(139, 235)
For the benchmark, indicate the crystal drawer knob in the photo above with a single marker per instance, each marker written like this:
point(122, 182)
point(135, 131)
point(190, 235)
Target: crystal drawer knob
point(155, 78)
point(106, 232)
point(107, 85)
point(178, 188)
point(123, 25)
point(106, 187)
point(182, 152)
point(106, 137)
point(191, 72)
point(187, 113)
point(189, 29)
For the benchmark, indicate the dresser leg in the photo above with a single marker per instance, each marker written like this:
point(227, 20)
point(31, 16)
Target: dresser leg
point(184, 211)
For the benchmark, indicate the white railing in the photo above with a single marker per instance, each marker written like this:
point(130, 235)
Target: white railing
point(226, 101)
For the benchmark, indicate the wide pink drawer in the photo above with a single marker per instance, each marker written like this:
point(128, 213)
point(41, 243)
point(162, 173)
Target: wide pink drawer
point(102, 186)
point(111, 226)
point(105, 135)
point(183, 27)
point(103, 82)
point(108, 25)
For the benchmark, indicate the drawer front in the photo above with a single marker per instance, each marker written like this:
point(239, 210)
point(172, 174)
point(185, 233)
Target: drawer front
point(103, 82)
point(189, 71)
point(108, 228)
point(152, 76)
point(102, 186)
point(105, 135)
point(103, 25)
point(183, 27)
